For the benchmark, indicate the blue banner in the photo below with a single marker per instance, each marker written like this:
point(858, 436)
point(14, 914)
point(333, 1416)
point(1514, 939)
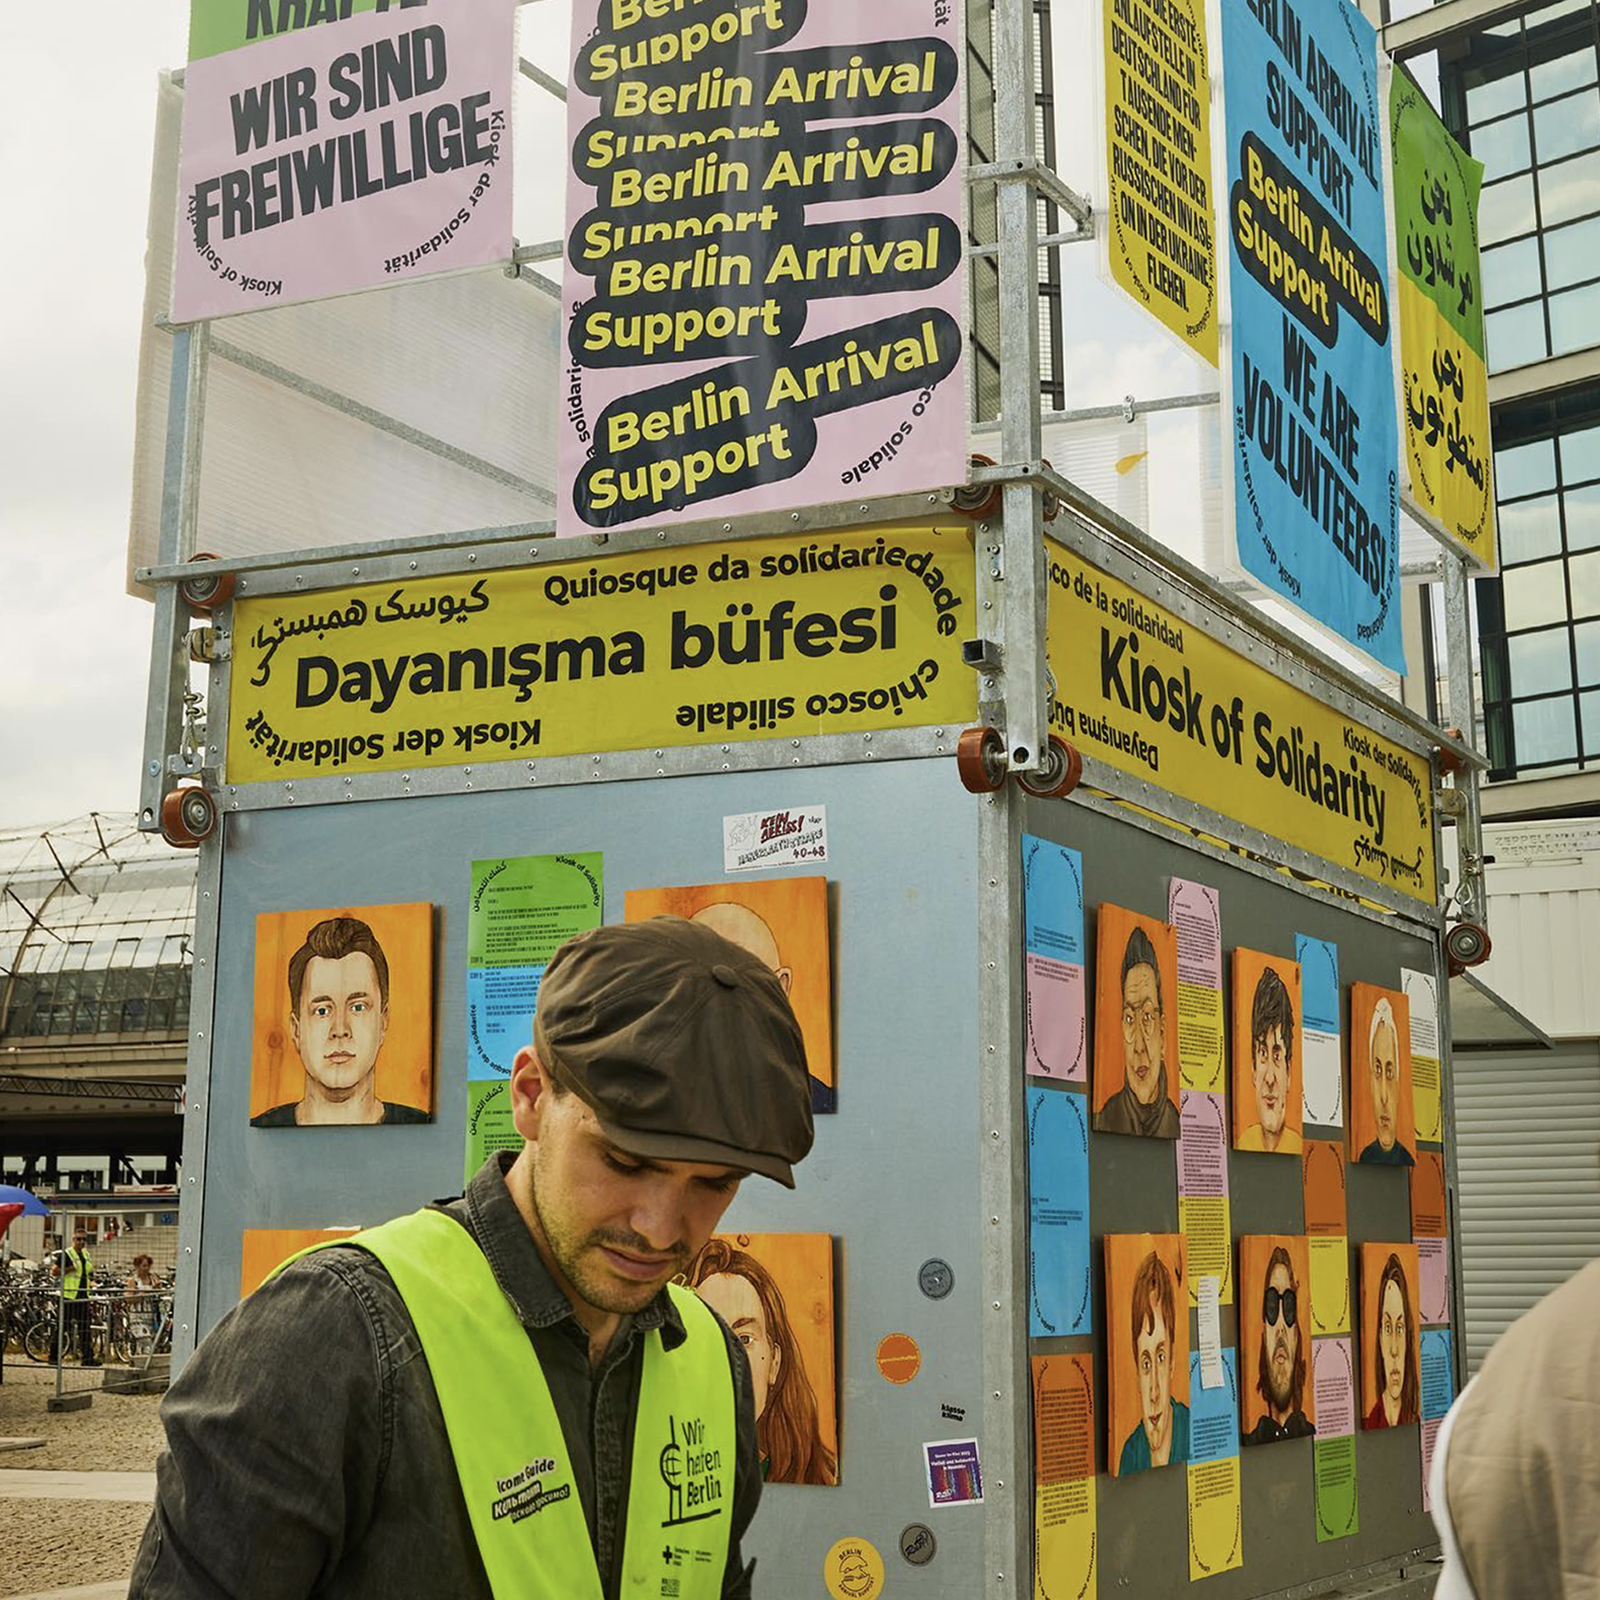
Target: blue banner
point(1316, 443)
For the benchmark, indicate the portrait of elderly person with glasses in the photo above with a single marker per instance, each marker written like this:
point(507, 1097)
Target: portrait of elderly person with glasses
point(1145, 1104)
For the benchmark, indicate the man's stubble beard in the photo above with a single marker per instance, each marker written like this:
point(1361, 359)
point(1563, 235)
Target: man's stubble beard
point(1282, 1398)
point(605, 1294)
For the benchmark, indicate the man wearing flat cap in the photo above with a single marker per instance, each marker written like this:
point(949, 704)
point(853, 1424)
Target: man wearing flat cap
point(506, 1394)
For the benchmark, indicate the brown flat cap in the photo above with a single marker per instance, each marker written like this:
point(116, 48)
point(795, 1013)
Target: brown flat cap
point(682, 1043)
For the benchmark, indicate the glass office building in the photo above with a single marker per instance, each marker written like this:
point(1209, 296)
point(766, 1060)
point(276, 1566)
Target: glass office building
point(96, 921)
point(1523, 94)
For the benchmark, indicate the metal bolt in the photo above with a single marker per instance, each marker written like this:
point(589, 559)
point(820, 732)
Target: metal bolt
point(727, 527)
point(994, 1133)
point(994, 883)
point(355, 572)
point(472, 558)
point(994, 1221)
point(997, 1305)
point(154, 769)
point(662, 534)
point(412, 565)
point(794, 516)
point(997, 1394)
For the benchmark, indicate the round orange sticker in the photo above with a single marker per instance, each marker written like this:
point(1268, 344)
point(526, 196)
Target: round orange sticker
point(899, 1358)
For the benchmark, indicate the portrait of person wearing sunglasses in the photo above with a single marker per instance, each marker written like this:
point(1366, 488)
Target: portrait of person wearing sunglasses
point(1281, 1359)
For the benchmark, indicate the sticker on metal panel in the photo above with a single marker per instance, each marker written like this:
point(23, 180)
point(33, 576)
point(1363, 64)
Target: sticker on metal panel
point(853, 1570)
point(917, 1544)
point(899, 1357)
point(935, 1278)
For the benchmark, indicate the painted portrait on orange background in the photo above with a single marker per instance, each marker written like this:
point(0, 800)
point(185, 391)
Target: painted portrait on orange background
point(1136, 1025)
point(784, 922)
point(1277, 1399)
point(775, 1291)
point(263, 1250)
point(1391, 1336)
point(1267, 1110)
point(343, 1031)
point(1147, 1345)
point(1383, 1114)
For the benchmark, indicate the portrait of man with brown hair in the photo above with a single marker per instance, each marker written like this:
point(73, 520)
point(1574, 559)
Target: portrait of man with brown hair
point(338, 984)
point(1162, 1436)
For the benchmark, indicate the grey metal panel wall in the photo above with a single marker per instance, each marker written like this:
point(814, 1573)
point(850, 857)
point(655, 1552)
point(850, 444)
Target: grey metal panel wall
point(1528, 1147)
point(1143, 1520)
point(894, 1175)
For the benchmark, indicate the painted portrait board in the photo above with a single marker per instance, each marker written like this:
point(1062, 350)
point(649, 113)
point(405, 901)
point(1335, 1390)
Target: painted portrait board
point(784, 922)
point(1391, 1336)
point(263, 1250)
point(775, 1291)
point(1383, 1116)
point(1268, 1110)
point(1136, 1025)
point(1147, 1345)
point(1277, 1398)
point(343, 1022)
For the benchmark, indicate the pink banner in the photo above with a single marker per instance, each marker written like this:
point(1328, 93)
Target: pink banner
point(764, 301)
point(344, 156)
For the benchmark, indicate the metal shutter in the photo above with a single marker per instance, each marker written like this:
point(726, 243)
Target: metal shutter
point(1528, 1148)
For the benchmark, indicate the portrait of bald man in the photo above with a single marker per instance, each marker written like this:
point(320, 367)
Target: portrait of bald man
point(784, 924)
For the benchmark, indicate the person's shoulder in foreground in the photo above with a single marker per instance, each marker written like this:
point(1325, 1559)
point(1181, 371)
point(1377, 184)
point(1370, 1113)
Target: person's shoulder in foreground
point(308, 1445)
point(1518, 1458)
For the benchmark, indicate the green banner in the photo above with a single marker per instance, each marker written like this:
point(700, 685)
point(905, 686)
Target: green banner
point(1444, 375)
point(1436, 186)
point(218, 25)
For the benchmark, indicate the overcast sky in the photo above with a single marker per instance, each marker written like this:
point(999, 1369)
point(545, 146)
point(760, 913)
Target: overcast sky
point(75, 126)
point(75, 143)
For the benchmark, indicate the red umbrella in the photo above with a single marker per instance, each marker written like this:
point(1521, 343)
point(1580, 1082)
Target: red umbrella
point(8, 1215)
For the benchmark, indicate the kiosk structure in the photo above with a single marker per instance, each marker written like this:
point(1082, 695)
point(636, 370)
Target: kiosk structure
point(1079, 870)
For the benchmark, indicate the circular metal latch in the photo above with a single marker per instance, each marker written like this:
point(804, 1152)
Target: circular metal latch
point(935, 1278)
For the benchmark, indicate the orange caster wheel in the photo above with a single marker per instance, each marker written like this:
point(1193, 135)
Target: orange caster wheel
point(207, 594)
point(977, 500)
point(1467, 945)
point(188, 816)
point(1060, 773)
point(1449, 762)
point(981, 760)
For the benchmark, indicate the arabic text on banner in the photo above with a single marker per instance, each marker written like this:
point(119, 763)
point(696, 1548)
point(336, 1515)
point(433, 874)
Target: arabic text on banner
point(1161, 236)
point(1148, 693)
point(763, 639)
point(1315, 486)
point(364, 149)
point(1447, 462)
point(764, 298)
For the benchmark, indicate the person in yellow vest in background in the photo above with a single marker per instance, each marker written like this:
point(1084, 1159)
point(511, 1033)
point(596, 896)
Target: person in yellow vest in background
point(507, 1394)
point(77, 1284)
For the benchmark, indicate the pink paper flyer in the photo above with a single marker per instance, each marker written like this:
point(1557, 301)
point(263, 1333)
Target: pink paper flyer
point(317, 160)
point(764, 300)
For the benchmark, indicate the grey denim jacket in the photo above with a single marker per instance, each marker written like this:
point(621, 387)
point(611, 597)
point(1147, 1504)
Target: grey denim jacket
point(307, 1455)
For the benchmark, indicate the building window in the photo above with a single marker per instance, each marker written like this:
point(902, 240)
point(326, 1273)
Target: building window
point(1539, 622)
point(1527, 104)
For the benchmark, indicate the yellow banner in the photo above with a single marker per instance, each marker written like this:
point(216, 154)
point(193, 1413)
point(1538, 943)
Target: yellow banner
point(1147, 693)
point(1446, 411)
point(704, 644)
point(1162, 231)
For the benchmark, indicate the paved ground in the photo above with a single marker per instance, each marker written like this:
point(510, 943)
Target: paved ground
point(74, 1508)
